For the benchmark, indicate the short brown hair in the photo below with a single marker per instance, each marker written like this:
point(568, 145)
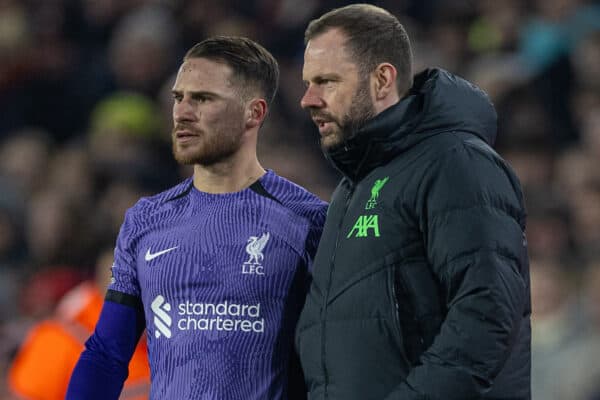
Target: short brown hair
point(252, 64)
point(374, 36)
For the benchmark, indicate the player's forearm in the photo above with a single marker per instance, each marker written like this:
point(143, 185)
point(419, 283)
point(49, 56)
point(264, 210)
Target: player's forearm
point(103, 366)
point(94, 379)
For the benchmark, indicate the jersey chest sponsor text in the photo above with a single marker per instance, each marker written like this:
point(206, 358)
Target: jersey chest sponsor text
point(189, 316)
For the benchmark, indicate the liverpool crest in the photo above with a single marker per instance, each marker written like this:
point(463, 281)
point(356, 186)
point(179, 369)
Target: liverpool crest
point(255, 248)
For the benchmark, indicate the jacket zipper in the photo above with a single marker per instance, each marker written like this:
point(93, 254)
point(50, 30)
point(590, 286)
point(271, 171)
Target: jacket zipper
point(326, 297)
point(397, 317)
point(392, 285)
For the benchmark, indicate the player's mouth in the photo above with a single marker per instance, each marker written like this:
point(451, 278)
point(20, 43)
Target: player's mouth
point(323, 124)
point(185, 135)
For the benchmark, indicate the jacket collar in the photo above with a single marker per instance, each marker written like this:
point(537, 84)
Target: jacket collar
point(438, 102)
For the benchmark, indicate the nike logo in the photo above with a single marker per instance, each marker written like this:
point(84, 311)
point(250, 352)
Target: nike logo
point(151, 256)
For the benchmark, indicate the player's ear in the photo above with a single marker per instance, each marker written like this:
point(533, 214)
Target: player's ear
point(384, 80)
point(256, 111)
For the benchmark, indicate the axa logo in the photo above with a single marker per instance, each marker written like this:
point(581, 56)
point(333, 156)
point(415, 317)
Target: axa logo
point(162, 320)
point(363, 225)
point(255, 248)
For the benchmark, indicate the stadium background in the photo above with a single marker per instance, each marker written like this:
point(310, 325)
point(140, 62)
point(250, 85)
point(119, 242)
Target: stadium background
point(85, 121)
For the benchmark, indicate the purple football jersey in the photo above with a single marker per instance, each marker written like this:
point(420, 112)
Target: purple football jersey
point(222, 279)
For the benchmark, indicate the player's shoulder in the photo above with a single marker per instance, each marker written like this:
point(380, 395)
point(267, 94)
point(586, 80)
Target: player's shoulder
point(151, 204)
point(293, 196)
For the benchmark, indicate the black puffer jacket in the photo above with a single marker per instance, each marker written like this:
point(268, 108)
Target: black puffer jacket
point(421, 281)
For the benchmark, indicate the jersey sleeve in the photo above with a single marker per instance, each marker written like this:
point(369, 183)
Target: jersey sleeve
point(103, 366)
point(124, 272)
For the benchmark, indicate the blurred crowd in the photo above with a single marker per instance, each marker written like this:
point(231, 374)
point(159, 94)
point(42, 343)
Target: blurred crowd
point(85, 122)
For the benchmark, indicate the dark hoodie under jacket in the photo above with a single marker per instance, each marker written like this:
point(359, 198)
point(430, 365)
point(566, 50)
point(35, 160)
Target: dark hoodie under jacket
point(421, 281)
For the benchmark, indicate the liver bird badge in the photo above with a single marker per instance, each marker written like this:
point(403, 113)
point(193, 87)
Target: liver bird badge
point(255, 247)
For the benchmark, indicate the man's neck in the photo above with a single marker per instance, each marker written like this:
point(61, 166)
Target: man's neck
point(227, 177)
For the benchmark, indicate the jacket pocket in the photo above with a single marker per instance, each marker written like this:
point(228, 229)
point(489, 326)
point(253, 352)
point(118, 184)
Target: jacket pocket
point(419, 307)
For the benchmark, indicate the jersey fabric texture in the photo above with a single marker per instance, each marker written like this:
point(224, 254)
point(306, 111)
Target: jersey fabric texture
point(222, 279)
point(421, 282)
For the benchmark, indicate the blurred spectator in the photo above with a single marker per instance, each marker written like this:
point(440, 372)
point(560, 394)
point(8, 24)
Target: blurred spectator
point(125, 141)
point(24, 157)
point(575, 170)
point(98, 20)
point(586, 61)
point(548, 227)
point(196, 18)
point(70, 171)
point(496, 28)
point(37, 297)
point(57, 231)
point(45, 288)
point(143, 48)
point(556, 28)
point(117, 197)
point(524, 123)
point(586, 219)
point(590, 131)
point(554, 326)
point(533, 164)
point(13, 250)
point(579, 377)
point(15, 35)
point(548, 39)
point(42, 368)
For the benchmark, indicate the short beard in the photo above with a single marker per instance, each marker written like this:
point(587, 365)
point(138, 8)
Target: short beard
point(217, 145)
point(211, 151)
point(361, 111)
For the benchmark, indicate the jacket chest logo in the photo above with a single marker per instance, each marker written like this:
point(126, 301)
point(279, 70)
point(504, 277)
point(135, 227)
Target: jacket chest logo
point(377, 186)
point(362, 226)
point(369, 224)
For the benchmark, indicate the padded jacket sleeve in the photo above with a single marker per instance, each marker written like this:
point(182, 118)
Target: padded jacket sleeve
point(472, 218)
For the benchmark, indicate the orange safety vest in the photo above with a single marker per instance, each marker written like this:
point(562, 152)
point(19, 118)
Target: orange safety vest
point(43, 366)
